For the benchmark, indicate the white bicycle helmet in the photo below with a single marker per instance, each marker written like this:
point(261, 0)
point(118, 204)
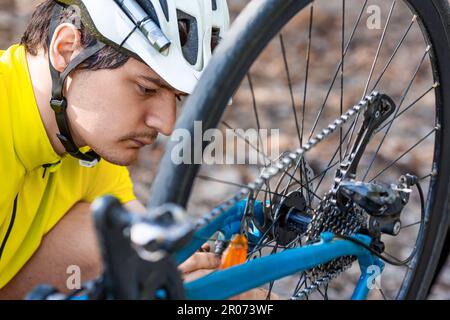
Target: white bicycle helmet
point(173, 37)
point(143, 27)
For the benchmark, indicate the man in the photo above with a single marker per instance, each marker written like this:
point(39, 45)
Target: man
point(112, 79)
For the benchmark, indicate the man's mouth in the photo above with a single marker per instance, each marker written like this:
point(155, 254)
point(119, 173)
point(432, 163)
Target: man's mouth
point(140, 142)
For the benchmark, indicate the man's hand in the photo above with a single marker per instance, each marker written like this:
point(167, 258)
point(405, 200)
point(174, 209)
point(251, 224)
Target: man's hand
point(199, 264)
point(204, 262)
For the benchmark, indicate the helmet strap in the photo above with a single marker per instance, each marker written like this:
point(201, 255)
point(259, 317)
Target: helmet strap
point(59, 103)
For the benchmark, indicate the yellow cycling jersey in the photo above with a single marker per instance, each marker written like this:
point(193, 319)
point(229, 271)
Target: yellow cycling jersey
point(37, 187)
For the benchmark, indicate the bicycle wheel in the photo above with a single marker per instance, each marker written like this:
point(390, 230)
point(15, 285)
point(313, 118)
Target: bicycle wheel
point(315, 95)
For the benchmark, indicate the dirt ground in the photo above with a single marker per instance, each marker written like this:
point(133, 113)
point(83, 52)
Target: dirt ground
point(14, 15)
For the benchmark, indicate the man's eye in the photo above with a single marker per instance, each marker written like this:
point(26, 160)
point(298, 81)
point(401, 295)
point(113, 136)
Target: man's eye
point(181, 99)
point(146, 91)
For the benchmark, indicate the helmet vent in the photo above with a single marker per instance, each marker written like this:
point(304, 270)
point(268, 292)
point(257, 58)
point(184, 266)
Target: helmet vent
point(215, 38)
point(214, 5)
point(188, 36)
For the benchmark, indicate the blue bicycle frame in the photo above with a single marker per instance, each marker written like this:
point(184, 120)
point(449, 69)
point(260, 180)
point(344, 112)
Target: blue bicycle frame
point(230, 282)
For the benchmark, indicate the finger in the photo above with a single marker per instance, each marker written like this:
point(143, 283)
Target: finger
point(205, 248)
point(200, 260)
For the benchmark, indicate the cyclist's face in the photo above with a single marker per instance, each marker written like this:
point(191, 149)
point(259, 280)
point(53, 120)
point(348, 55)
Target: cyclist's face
point(117, 112)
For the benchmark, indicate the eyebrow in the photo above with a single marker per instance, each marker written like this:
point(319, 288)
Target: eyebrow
point(162, 84)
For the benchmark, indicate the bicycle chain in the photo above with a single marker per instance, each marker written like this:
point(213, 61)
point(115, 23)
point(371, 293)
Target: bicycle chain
point(323, 219)
point(321, 282)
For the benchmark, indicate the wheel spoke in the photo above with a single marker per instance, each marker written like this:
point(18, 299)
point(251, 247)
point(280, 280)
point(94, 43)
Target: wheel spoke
point(235, 184)
point(330, 165)
point(396, 113)
point(305, 91)
point(321, 174)
point(269, 293)
point(251, 145)
point(255, 111)
point(426, 177)
point(266, 157)
point(301, 282)
point(411, 224)
point(291, 92)
point(380, 45)
point(288, 185)
point(308, 57)
point(263, 237)
point(402, 40)
point(341, 106)
point(337, 72)
point(382, 294)
point(408, 107)
point(372, 69)
point(324, 295)
point(402, 155)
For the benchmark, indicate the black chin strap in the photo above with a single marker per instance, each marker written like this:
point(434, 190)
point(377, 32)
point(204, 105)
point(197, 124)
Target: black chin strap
point(59, 103)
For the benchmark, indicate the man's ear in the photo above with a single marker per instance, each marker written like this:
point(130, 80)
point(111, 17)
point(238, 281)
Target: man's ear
point(65, 45)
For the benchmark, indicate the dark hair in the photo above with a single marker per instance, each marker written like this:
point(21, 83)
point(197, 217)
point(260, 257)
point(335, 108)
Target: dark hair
point(37, 34)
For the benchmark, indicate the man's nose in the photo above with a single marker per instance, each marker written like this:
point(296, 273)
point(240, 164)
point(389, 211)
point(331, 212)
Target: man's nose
point(162, 117)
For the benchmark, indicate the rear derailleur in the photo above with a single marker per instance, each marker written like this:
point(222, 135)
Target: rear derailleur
point(383, 203)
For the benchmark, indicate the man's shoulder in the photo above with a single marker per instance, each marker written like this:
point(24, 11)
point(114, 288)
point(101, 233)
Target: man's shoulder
point(10, 57)
point(1, 54)
point(13, 70)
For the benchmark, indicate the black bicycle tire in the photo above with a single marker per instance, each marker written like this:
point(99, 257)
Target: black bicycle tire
point(251, 32)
